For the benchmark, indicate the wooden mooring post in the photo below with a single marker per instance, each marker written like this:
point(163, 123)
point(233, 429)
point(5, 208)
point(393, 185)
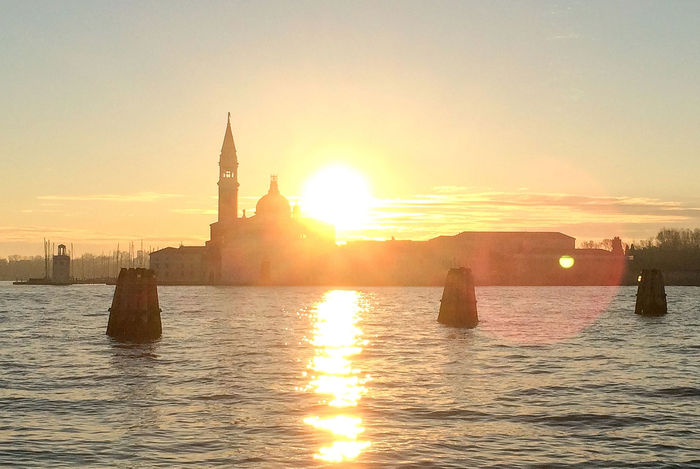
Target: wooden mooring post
point(135, 314)
point(651, 294)
point(458, 303)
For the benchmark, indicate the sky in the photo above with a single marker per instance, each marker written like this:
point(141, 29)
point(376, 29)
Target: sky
point(579, 117)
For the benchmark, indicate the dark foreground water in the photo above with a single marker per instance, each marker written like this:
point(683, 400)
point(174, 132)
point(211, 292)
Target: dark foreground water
point(307, 377)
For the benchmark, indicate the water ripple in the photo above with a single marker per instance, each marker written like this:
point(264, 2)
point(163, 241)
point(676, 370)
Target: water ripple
point(250, 377)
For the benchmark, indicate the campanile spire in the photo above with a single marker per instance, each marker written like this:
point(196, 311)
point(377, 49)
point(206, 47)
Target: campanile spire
point(228, 178)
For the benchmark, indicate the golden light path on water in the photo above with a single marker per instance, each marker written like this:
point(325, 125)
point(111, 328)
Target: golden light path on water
point(336, 339)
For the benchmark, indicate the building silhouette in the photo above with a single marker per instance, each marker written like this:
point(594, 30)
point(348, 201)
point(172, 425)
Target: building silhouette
point(276, 246)
point(60, 268)
point(226, 225)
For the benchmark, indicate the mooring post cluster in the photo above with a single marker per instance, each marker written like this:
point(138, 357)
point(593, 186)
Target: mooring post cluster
point(135, 313)
point(458, 303)
point(651, 294)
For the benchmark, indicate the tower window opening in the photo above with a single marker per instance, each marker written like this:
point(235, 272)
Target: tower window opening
point(228, 174)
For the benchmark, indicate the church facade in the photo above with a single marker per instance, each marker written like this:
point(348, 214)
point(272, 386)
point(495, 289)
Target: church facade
point(274, 246)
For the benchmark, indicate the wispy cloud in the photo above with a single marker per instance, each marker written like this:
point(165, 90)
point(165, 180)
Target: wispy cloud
point(17, 232)
point(564, 37)
point(136, 197)
point(32, 233)
point(442, 211)
point(195, 211)
point(453, 209)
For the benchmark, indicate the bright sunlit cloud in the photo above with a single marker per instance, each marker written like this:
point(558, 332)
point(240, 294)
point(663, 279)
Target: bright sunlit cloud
point(338, 195)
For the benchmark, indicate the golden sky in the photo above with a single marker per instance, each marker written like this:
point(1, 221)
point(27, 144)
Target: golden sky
point(579, 117)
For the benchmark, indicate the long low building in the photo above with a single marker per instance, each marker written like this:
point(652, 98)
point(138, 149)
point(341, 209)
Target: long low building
point(496, 258)
point(186, 265)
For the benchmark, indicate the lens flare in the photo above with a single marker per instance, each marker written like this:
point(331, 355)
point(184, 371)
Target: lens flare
point(566, 262)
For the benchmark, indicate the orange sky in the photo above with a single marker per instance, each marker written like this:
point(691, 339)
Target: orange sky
point(579, 118)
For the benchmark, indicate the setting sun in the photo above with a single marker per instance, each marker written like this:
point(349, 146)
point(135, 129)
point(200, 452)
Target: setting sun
point(338, 195)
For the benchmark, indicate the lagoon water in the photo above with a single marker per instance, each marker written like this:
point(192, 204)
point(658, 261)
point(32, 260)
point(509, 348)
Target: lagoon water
point(366, 377)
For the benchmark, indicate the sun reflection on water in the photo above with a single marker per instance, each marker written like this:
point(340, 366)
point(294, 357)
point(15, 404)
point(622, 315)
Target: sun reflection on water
point(336, 339)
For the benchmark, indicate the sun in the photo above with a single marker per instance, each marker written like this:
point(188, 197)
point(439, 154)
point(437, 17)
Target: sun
point(338, 195)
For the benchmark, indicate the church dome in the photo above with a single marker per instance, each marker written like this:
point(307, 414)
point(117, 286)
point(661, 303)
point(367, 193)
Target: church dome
point(273, 204)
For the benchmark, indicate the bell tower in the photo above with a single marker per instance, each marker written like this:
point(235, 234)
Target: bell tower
point(228, 178)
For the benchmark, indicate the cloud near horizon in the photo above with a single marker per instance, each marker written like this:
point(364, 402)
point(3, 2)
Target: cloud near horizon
point(195, 211)
point(30, 233)
point(453, 209)
point(136, 197)
point(443, 211)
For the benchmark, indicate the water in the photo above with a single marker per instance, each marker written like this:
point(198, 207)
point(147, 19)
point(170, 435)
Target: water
point(310, 377)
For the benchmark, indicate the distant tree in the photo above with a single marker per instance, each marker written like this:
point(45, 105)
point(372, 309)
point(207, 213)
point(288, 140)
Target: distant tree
point(617, 248)
point(669, 238)
point(646, 243)
point(20, 267)
point(590, 244)
point(672, 250)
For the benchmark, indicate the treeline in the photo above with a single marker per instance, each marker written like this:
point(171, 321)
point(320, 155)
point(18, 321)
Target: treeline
point(87, 266)
point(21, 268)
point(672, 250)
point(604, 244)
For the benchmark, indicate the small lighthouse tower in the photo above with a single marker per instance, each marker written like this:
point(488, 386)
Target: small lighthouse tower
point(61, 266)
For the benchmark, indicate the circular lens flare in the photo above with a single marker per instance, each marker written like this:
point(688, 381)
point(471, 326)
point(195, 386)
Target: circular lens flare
point(566, 262)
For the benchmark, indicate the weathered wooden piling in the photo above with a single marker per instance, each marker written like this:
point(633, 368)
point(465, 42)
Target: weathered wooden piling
point(135, 314)
point(651, 294)
point(458, 303)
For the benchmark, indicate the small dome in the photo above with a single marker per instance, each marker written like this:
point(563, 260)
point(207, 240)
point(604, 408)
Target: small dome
point(273, 204)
